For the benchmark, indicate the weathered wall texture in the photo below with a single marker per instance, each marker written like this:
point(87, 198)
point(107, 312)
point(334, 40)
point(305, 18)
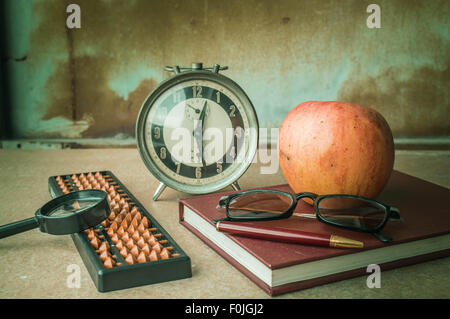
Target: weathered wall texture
point(91, 82)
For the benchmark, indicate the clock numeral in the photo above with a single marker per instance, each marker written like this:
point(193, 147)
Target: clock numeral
point(219, 168)
point(178, 168)
point(157, 133)
point(232, 111)
point(198, 172)
point(162, 153)
point(218, 97)
point(197, 91)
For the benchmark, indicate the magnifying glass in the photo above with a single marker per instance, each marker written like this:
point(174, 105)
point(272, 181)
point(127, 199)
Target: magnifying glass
point(67, 214)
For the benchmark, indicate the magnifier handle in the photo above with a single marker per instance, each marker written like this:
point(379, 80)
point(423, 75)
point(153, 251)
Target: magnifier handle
point(18, 227)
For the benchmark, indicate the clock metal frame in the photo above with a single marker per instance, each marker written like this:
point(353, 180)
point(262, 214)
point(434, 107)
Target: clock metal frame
point(197, 72)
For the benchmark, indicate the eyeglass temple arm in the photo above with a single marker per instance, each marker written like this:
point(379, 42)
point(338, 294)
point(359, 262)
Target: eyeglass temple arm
point(249, 209)
point(394, 214)
point(226, 219)
point(382, 237)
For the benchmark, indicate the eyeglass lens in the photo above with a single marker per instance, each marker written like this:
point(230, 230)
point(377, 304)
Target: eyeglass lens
point(259, 205)
point(351, 212)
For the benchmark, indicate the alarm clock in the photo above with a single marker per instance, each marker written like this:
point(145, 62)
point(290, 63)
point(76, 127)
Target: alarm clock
point(197, 131)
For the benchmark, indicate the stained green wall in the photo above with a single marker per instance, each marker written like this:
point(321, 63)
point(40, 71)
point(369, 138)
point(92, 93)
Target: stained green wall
point(91, 82)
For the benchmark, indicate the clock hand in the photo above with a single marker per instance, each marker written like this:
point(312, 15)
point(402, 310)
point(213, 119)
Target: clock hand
point(202, 117)
point(196, 110)
point(200, 121)
point(198, 132)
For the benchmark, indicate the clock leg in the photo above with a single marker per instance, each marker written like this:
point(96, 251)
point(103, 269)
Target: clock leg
point(236, 186)
point(159, 190)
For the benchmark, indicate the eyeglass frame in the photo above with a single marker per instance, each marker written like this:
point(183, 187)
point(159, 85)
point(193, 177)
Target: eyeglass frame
point(390, 211)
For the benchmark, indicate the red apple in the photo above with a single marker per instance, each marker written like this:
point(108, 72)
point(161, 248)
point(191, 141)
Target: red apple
point(336, 148)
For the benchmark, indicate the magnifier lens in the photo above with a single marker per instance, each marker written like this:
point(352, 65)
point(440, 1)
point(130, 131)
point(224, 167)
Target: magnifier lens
point(66, 214)
point(73, 212)
point(72, 207)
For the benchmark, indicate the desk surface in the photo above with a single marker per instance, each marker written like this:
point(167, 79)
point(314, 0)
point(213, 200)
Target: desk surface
point(34, 264)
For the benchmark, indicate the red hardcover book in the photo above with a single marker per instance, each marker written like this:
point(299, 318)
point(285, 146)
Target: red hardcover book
point(278, 267)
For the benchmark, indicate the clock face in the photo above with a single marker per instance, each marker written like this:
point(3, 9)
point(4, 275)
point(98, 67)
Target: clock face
point(198, 132)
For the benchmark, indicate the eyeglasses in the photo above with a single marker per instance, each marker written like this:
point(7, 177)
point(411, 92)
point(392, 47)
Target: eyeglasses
point(345, 211)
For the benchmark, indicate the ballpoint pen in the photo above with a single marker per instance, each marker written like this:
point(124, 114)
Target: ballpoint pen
point(286, 235)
